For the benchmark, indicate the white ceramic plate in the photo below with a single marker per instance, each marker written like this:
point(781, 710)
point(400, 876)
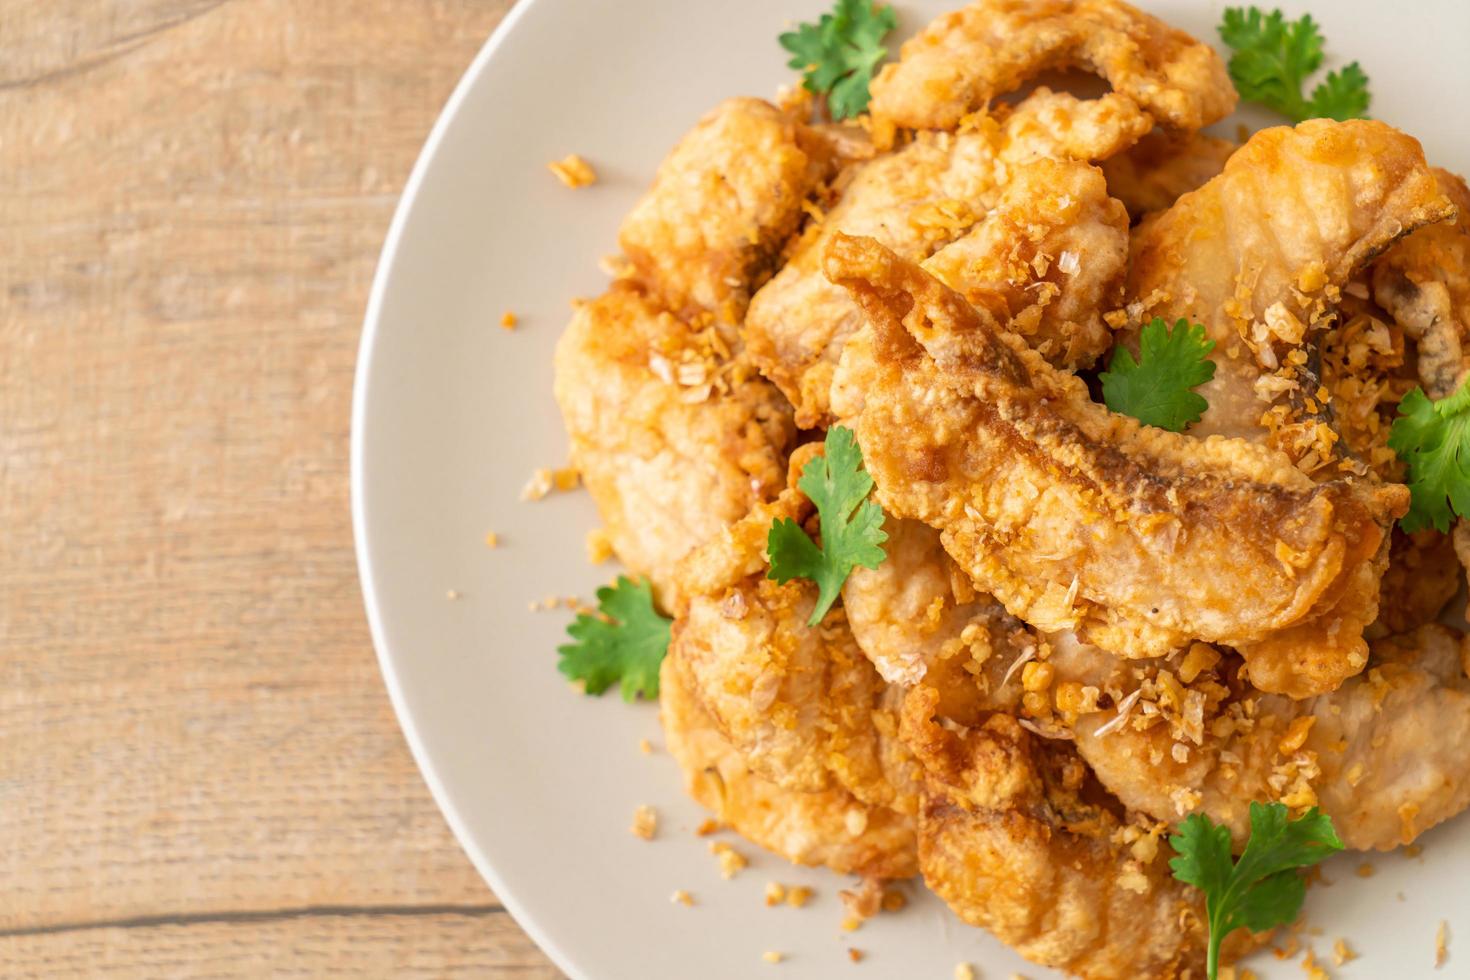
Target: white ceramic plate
point(453, 413)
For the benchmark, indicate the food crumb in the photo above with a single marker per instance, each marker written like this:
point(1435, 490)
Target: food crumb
point(599, 546)
point(798, 896)
point(508, 320)
point(567, 478)
point(1441, 944)
point(771, 956)
point(851, 924)
point(538, 486)
point(775, 893)
point(1286, 952)
point(964, 971)
point(1342, 953)
point(864, 901)
point(681, 897)
point(645, 822)
point(709, 826)
point(452, 594)
point(645, 746)
point(732, 862)
point(894, 900)
point(573, 171)
point(1312, 969)
point(856, 955)
point(1365, 870)
point(492, 540)
point(1413, 850)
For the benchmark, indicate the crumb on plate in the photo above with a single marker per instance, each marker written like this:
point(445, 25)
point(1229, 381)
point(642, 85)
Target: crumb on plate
point(573, 171)
point(645, 822)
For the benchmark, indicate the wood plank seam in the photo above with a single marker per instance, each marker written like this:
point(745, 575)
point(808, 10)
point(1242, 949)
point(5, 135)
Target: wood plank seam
point(259, 915)
point(122, 46)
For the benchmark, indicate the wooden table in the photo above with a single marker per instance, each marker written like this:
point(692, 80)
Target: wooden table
point(200, 774)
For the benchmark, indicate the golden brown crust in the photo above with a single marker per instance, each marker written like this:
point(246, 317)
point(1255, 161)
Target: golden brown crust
point(801, 703)
point(1047, 261)
point(1077, 518)
point(1017, 838)
point(1259, 256)
point(1164, 166)
point(669, 464)
point(963, 60)
point(915, 200)
point(1383, 754)
point(829, 828)
point(722, 204)
point(1424, 283)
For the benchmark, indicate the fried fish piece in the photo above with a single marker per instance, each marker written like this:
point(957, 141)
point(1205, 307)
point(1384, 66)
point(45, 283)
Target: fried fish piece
point(801, 703)
point(1162, 167)
point(1017, 837)
point(916, 200)
point(1386, 755)
point(1054, 252)
point(830, 827)
point(1424, 282)
point(919, 619)
point(1259, 255)
point(1080, 519)
point(964, 59)
point(723, 203)
point(668, 463)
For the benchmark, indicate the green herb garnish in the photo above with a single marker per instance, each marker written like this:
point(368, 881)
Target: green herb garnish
point(1273, 58)
point(852, 525)
point(1263, 889)
point(839, 53)
point(1158, 388)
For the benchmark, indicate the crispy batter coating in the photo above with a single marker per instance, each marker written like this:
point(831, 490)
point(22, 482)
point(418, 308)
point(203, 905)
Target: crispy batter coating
point(1259, 255)
point(1385, 755)
point(963, 60)
point(1421, 579)
point(669, 464)
point(722, 204)
point(802, 704)
point(1424, 282)
point(829, 828)
point(918, 618)
point(1048, 260)
point(1018, 838)
point(1078, 518)
point(915, 200)
point(1164, 166)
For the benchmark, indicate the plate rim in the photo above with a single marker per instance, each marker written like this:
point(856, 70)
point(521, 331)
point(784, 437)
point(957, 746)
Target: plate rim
point(357, 476)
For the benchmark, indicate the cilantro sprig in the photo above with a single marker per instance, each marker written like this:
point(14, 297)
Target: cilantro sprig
point(1274, 56)
point(624, 642)
point(852, 525)
point(1263, 889)
point(1433, 440)
point(839, 53)
point(1158, 388)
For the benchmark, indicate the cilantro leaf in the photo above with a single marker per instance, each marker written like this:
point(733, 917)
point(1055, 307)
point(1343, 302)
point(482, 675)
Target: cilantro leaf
point(1272, 59)
point(839, 53)
point(1157, 389)
point(852, 525)
point(1433, 440)
point(1263, 889)
point(626, 641)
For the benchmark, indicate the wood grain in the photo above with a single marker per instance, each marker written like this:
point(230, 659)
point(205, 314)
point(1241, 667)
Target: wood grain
point(196, 751)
